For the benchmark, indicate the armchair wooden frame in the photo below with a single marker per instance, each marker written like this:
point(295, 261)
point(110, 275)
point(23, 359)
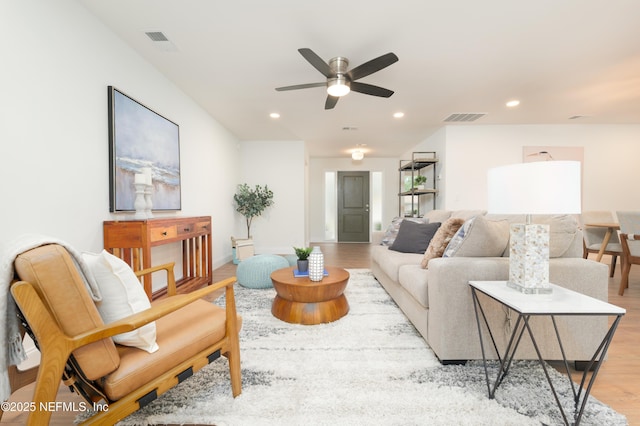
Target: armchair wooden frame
point(627, 260)
point(56, 347)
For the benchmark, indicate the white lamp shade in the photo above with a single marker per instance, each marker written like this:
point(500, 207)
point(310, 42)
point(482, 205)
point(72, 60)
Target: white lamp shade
point(542, 187)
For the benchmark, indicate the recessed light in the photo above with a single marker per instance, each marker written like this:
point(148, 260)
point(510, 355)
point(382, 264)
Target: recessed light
point(398, 114)
point(513, 103)
point(274, 115)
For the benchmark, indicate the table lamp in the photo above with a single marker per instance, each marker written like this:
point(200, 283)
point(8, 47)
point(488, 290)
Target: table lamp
point(543, 187)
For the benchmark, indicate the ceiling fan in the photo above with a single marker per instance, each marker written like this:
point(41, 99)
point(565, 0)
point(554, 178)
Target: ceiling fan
point(340, 80)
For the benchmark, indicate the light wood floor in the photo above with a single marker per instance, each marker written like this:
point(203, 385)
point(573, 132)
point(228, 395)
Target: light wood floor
point(618, 383)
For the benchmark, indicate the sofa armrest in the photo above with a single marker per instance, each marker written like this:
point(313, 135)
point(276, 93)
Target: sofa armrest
point(452, 324)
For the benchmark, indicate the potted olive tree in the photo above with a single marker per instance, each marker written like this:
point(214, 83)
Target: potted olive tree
point(303, 258)
point(251, 202)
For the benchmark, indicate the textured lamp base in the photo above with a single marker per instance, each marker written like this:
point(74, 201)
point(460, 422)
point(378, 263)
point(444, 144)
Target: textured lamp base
point(529, 290)
point(529, 259)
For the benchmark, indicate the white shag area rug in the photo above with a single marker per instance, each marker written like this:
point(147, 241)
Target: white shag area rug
point(371, 367)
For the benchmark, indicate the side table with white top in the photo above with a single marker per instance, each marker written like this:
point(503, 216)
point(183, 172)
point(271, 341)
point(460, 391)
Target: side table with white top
point(560, 302)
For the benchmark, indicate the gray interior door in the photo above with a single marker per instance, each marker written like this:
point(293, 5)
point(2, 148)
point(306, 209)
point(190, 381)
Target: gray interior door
point(353, 206)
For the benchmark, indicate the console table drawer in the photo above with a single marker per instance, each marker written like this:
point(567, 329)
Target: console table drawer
point(185, 229)
point(163, 233)
point(202, 228)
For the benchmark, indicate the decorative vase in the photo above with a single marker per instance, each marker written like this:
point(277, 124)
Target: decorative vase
point(140, 204)
point(316, 265)
point(303, 265)
point(148, 197)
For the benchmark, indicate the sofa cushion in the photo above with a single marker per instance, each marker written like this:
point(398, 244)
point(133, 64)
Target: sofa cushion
point(55, 276)
point(565, 239)
point(441, 240)
point(392, 230)
point(414, 237)
point(390, 261)
point(437, 215)
point(414, 280)
point(181, 335)
point(562, 232)
point(479, 237)
point(467, 214)
point(122, 295)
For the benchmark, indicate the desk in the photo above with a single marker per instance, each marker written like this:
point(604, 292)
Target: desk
point(560, 302)
point(607, 236)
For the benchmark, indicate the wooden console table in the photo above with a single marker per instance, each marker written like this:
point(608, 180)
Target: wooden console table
point(131, 240)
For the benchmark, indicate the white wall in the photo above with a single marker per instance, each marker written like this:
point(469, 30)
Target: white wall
point(319, 166)
point(58, 62)
point(281, 165)
point(609, 169)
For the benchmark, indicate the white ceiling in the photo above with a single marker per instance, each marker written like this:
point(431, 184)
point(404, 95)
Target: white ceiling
point(560, 58)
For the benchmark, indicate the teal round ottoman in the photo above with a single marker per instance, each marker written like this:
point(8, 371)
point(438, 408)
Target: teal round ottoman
point(292, 259)
point(255, 272)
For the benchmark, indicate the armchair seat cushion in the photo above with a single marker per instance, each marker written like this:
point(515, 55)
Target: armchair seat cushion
point(180, 335)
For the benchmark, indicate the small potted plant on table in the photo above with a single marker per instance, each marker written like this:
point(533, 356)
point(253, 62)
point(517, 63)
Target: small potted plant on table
point(303, 258)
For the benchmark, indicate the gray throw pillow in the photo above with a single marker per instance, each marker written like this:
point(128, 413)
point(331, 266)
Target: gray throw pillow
point(479, 237)
point(414, 237)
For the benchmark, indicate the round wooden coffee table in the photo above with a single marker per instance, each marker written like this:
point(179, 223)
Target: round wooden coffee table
point(302, 301)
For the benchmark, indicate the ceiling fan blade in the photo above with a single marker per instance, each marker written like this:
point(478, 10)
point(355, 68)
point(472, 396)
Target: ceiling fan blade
point(372, 66)
point(315, 60)
point(370, 89)
point(301, 86)
point(331, 102)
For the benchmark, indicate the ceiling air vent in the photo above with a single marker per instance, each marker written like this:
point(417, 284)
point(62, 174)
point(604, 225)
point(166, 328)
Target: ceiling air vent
point(161, 41)
point(157, 36)
point(464, 117)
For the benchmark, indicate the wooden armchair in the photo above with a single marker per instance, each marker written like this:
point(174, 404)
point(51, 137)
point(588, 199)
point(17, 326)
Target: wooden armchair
point(76, 345)
point(594, 236)
point(630, 239)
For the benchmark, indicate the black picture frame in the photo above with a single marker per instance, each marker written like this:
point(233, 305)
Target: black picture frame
point(141, 138)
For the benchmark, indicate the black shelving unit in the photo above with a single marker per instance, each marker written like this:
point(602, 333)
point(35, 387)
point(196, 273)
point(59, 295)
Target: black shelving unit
point(419, 165)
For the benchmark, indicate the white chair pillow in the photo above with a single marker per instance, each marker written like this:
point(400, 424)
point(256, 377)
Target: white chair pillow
point(122, 295)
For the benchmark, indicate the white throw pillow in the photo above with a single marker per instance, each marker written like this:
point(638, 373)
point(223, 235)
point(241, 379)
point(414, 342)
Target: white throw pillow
point(122, 295)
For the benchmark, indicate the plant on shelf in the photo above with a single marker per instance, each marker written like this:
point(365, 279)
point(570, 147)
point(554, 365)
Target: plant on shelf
point(252, 202)
point(303, 257)
point(419, 181)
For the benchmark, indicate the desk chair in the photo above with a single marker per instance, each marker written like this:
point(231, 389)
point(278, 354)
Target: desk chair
point(630, 239)
point(593, 237)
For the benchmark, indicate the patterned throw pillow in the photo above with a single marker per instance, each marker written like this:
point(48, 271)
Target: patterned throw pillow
point(441, 239)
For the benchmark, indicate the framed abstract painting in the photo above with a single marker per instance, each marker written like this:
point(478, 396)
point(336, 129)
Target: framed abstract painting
point(141, 141)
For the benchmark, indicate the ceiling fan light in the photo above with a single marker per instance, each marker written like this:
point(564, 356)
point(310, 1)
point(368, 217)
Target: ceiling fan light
point(338, 86)
point(357, 155)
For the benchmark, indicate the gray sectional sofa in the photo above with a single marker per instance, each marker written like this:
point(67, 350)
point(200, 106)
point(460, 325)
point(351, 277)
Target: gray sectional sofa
point(438, 301)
